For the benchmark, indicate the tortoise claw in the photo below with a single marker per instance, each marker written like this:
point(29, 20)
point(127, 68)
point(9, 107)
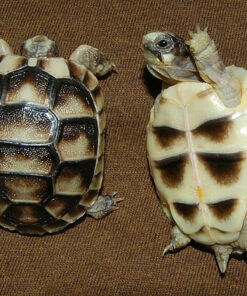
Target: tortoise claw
point(167, 249)
point(222, 254)
point(103, 206)
point(178, 241)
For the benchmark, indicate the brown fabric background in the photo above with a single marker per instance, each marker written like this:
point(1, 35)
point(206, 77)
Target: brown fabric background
point(121, 254)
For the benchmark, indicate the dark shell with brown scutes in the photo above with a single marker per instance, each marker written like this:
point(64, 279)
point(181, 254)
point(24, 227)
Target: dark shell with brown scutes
point(51, 143)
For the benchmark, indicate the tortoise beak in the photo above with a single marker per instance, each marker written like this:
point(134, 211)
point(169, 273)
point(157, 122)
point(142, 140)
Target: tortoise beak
point(147, 44)
point(149, 49)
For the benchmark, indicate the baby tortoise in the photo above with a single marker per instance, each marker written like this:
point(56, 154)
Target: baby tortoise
point(197, 143)
point(52, 125)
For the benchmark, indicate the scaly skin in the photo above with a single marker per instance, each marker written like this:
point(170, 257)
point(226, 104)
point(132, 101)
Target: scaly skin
point(5, 49)
point(200, 40)
point(172, 64)
point(93, 59)
point(212, 69)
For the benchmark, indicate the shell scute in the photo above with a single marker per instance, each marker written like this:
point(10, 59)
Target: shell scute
point(56, 67)
point(29, 159)
point(25, 188)
point(74, 177)
point(11, 63)
point(59, 205)
point(172, 170)
point(224, 168)
point(27, 214)
point(73, 100)
point(78, 139)
point(26, 123)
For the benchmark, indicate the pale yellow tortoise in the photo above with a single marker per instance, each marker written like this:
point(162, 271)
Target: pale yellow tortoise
point(197, 143)
point(52, 126)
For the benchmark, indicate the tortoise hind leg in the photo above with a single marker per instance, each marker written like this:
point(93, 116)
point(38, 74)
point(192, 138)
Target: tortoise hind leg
point(103, 206)
point(222, 254)
point(178, 240)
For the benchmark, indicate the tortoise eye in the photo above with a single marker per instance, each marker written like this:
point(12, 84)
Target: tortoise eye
point(163, 43)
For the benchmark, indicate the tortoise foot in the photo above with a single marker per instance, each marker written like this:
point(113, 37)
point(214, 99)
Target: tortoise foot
point(103, 206)
point(178, 240)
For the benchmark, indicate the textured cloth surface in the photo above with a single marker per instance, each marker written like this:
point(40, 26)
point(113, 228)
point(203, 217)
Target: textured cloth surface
point(121, 254)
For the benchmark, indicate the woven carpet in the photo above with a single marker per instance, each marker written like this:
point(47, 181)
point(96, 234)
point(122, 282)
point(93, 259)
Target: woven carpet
point(120, 254)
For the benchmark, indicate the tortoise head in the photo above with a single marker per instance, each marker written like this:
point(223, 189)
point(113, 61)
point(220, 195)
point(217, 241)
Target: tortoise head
point(168, 57)
point(39, 47)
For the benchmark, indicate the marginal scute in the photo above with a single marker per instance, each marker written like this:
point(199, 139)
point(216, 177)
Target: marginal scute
point(76, 213)
point(11, 63)
point(77, 70)
point(99, 98)
point(55, 227)
point(102, 121)
point(58, 206)
point(3, 205)
point(100, 165)
point(90, 81)
point(7, 223)
point(30, 228)
point(97, 181)
point(101, 146)
point(88, 198)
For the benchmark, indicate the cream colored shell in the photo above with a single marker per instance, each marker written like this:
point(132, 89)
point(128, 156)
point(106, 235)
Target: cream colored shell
point(197, 155)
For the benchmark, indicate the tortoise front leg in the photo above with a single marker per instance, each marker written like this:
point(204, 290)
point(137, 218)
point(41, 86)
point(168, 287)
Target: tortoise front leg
point(5, 49)
point(212, 69)
point(93, 59)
